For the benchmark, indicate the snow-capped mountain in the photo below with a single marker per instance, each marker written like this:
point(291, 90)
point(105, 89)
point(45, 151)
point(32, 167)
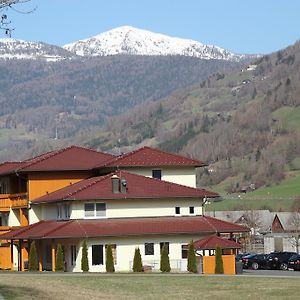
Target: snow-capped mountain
point(18, 49)
point(133, 41)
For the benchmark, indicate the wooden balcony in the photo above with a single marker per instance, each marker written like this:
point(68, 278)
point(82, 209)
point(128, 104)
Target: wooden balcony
point(13, 201)
point(4, 229)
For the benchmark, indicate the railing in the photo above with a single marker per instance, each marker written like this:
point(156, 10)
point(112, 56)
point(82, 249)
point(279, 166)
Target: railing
point(4, 229)
point(8, 201)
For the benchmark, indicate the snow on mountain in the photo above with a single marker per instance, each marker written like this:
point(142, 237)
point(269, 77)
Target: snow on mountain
point(18, 49)
point(133, 41)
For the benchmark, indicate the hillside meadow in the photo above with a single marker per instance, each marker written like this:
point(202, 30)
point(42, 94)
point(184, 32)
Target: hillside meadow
point(144, 286)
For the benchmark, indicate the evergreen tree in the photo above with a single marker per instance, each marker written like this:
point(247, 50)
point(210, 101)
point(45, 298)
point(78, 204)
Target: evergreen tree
point(137, 261)
point(59, 259)
point(219, 261)
point(84, 258)
point(164, 259)
point(33, 259)
point(109, 263)
point(192, 265)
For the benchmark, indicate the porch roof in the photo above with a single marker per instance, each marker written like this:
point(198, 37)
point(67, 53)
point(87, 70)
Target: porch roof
point(213, 241)
point(84, 228)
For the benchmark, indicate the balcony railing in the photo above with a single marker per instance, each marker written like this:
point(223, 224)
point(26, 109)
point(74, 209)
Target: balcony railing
point(8, 201)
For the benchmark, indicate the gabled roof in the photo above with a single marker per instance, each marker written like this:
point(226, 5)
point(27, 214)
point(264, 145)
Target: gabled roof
point(150, 157)
point(9, 167)
point(213, 241)
point(123, 227)
point(97, 188)
point(70, 158)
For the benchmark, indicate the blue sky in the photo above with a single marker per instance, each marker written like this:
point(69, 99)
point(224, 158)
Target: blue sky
point(253, 26)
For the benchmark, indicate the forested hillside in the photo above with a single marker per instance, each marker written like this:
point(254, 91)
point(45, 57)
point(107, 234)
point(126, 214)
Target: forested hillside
point(46, 105)
point(246, 123)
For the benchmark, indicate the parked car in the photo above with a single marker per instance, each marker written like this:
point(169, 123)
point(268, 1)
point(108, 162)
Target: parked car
point(279, 260)
point(294, 262)
point(239, 256)
point(255, 261)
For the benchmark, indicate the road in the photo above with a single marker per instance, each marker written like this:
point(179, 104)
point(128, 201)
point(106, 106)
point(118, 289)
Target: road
point(271, 273)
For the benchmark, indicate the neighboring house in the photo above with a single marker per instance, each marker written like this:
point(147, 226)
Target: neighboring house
point(77, 194)
point(285, 233)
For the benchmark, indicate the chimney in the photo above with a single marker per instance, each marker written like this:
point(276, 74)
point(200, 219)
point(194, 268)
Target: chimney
point(123, 186)
point(115, 182)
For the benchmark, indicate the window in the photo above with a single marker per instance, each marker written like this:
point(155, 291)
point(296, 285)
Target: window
point(59, 211)
point(162, 244)
point(97, 255)
point(93, 210)
point(177, 210)
point(67, 211)
point(156, 174)
point(192, 210)
point(73, 255)
point(184, 251)
point(114, 252)
point(149, 248)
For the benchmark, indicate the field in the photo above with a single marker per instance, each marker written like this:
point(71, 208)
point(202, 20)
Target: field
point(144, 286)
point(276, 197)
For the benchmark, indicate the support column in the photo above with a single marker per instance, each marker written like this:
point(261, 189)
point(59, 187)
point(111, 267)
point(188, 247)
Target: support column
point(21, 249)
point(53, 255)
point(11, 255)
point(40, 256)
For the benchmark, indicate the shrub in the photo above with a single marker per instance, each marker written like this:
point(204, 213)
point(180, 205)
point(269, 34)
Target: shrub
point(219, 262)
point(164, 259)
point(192, 266)
point(137, 261)
point(59, 259)
point(84, 258)
point(33, 259)
point(109, 263)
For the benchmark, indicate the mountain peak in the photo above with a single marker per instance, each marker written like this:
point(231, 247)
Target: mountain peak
point(133, 41)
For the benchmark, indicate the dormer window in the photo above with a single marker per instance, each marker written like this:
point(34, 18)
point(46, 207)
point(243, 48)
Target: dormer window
point(94, 210)
point(156, 174)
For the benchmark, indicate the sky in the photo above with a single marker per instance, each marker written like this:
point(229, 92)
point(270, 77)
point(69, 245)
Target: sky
point(253, 26)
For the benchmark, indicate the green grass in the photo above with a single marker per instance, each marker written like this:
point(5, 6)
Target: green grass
point(289, 116)
point(276, 197)
point(145, 286)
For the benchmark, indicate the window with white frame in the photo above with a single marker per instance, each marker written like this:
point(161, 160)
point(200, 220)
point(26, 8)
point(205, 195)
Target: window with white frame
point(63, 211)
point(192, 210)
point(97, 255)
point(94, 210)
point(149, 248)
point(73, 255)
point(177, 210)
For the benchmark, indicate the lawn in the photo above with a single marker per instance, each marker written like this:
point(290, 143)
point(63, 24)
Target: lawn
point(144, 286)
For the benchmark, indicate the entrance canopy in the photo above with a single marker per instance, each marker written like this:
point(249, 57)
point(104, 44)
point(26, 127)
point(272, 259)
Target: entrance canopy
point(212, 242)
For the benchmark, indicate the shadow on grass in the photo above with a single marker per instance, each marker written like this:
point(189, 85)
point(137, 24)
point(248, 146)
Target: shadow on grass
point(16, 292)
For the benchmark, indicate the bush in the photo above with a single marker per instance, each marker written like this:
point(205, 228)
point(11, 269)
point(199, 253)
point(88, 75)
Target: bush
point(137, 261)
point(59, 259)
point(33, 259)
point(109, 263)
point(164, 259)
point(192, 266)
point(84, 258)
point(219, 261)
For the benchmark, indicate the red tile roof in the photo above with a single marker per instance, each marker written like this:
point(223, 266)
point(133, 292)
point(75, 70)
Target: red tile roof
point(123, 227)
point(150, 157)
point(70, 158)
point(212, 242)
point(138, 187)
point(9, 167)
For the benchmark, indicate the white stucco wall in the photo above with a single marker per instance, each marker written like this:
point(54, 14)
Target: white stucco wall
point(14, 217)
point(34, 214)
point(127, 209)
point(125, 248)
point(183, 176)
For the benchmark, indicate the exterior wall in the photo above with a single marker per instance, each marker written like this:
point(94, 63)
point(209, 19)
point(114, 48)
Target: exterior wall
point(39, 184)
point(35, 214)
point(127, 209)
point(209, 263)
point(125, 248)
point(288, 243)
point(14, 217)
point(183, 176)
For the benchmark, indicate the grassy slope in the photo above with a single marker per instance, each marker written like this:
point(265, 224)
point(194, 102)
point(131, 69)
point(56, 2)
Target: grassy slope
point(276, 197)
point(144, 286)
